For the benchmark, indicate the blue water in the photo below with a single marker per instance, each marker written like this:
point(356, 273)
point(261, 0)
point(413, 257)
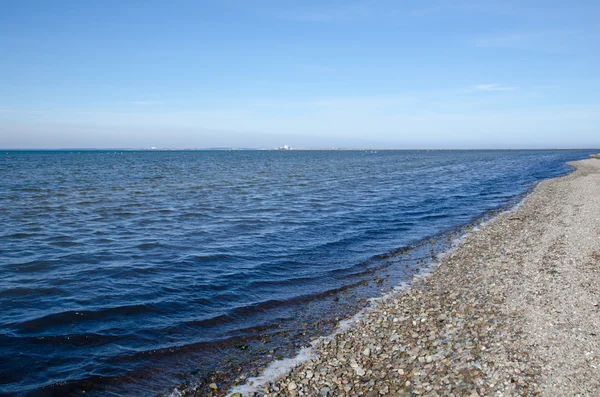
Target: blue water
point(120, 269)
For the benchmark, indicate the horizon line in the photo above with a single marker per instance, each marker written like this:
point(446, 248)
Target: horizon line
point(284, 150)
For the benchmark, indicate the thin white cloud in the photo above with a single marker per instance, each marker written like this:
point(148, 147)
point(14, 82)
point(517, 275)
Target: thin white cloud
point(492, 87)
point(519, 127)
point(547, 42)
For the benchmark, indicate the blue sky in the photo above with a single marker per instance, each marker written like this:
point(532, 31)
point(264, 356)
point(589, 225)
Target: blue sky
point(256, 73)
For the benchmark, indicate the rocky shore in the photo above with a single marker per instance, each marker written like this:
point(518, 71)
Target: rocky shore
point(513, 310)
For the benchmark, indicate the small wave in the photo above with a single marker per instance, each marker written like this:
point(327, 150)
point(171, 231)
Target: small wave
point(212, 257)
point(32, 189)
point(19, 235)
point(241, 313)
point(83, 340)
point(246, 311)
point(74, 316)
point(34, 266)
point(194, 215)
point(434, 216)
point(24, 291)
point(87, 202)
point(64, 243)
point(149, 246)
point(136, 271)
point(216, 320)
point(287, 282)
point(104, 240)
point(124, 214)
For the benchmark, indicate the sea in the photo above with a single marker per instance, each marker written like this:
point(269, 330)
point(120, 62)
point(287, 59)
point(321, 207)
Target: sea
point(133, 273)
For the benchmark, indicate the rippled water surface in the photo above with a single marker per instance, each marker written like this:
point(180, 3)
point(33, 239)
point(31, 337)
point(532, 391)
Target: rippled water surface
point(124, 272)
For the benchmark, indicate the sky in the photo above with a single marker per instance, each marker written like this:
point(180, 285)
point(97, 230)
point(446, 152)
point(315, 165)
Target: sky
point(266, 73)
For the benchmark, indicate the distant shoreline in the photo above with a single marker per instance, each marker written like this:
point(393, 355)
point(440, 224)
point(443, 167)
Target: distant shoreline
point(285, 150)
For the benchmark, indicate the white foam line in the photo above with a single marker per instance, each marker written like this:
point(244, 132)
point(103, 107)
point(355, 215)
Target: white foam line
point(177, 393)
point(281, 367)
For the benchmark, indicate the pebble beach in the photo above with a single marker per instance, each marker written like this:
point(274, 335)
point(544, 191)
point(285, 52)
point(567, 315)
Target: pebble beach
point(513, 310)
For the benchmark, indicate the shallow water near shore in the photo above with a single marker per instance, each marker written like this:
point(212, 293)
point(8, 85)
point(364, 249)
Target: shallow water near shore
point(131, 272)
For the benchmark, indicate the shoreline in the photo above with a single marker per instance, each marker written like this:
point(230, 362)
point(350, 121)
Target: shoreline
point(423, 264)
point(481, 327)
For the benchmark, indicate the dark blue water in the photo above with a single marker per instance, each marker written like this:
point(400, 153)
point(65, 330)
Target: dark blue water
point(121, 270)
